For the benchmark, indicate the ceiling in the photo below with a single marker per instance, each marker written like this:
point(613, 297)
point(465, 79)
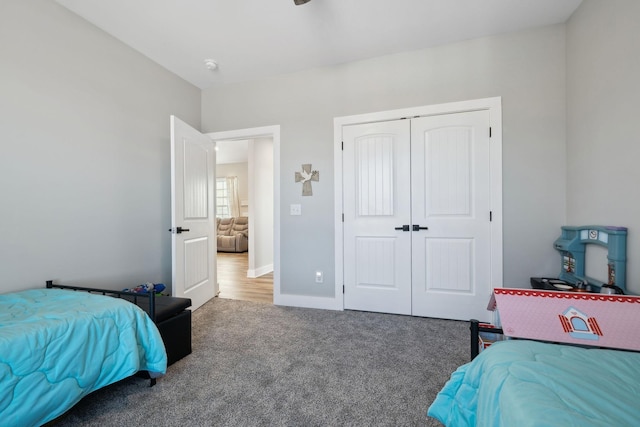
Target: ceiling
point(256, 39)
point(236, 151)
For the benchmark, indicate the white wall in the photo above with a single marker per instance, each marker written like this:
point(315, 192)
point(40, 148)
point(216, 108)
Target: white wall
point(603, 68)
point(527, 69)
point(261, 175)
point(85, 166)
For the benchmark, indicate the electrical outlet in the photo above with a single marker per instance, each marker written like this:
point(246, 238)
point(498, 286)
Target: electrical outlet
point(295, 210)
point(319, 277)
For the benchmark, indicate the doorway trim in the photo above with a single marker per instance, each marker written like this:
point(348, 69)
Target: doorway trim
point(272, 132)
point(494, 106)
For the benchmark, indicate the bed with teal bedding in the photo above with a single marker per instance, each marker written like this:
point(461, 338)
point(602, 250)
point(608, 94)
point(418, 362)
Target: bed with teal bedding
point(57, 346)
point(531, 383)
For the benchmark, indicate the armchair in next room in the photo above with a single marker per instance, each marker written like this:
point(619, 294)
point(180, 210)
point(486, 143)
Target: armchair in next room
point(232, 234)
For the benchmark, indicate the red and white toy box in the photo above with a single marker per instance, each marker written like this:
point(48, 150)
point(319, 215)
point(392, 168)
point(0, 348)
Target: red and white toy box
point(570, 317)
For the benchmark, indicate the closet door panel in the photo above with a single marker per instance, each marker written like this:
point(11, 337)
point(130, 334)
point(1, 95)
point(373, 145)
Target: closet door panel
point(450, 201)
point(377, 272)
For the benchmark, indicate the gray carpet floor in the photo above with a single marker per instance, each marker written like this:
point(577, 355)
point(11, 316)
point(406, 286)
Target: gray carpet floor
point(257, 364)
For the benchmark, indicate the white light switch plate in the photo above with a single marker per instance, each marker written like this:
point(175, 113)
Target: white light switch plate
point(295, 210)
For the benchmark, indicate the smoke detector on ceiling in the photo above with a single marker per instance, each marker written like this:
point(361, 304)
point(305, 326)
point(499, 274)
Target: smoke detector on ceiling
point(211, 64)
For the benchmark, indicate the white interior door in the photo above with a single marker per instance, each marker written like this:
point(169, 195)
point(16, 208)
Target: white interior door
point(451, 250)
point(377, 272)
point(193, 246)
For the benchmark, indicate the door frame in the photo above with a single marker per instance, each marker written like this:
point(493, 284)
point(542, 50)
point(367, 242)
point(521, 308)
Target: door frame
point(272, 132)
point(494, 106)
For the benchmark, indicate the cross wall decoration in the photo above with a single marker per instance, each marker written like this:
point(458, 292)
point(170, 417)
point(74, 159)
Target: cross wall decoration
point(306, 176)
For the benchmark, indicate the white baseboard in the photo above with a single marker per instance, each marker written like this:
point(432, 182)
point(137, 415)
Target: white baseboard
point(324, 303)
point(257, 272)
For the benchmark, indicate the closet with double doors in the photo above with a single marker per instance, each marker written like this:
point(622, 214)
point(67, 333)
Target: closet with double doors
point(417, 215)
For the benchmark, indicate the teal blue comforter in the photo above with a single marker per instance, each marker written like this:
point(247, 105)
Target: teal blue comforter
point(57, 346)
point(527, 383)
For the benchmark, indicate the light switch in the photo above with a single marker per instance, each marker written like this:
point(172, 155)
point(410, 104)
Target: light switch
point(295, 210)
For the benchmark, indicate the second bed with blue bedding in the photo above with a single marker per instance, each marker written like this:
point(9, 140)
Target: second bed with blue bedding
point(530, 383)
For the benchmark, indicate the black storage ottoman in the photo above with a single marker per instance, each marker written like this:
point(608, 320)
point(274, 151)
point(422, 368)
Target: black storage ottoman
point(173, 320)
point(176, 334)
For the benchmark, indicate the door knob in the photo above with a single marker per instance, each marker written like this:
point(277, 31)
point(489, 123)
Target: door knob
point(403, 228)
point(178, 230)
point(416, 227)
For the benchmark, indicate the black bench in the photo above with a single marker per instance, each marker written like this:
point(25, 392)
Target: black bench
point(174, 323)
point(170, 314)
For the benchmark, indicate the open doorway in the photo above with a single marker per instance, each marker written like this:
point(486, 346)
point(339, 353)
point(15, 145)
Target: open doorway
point(246, 181)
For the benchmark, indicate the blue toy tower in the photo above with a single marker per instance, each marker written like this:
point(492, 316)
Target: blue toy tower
point(572, 246)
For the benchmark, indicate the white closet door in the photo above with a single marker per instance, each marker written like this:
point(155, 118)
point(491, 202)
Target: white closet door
point(450, 201)
point(377, 272)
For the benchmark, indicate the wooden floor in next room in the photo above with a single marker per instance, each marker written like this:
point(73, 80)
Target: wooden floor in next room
point(234, 284)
